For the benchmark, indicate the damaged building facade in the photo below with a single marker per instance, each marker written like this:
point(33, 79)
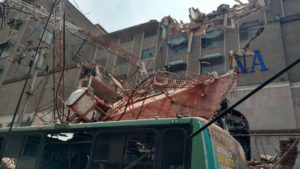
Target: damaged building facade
point(55, 71)
point(267, 29)
point(273, 113)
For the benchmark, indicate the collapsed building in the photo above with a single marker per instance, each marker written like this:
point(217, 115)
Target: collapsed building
point(261, 36)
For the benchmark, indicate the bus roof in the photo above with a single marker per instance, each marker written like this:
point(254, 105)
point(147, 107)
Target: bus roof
point(125, 123)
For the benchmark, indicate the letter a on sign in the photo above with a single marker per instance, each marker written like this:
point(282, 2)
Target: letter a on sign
point(258, 61)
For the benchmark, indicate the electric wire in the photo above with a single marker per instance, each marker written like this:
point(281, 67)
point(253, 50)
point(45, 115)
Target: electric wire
point(132, 94)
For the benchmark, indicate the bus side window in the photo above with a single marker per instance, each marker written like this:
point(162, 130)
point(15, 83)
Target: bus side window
point(108, 153)
point(140, 150)
point(1, 146)
point(1, 142)
point(30, 152)
point(124, 150)
point(12, 150)
point(66, 150)
point(22, 151)
point(173, 149)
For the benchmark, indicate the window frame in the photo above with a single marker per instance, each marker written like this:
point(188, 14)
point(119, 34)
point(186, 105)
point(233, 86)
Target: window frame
point(48, 37)
point(213, 63)
point(180, 68)
point(219, 41)
point(1, 146)
point(127, 132)
point(19, 155)
point(187, 149)
point(40, 148)
point(158, 132)
point(40, 60)
point(15, 25)
point(249, 27)
point(45, 133)
point(178, 49)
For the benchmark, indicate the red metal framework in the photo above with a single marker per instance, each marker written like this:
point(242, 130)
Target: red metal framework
point(157, 96)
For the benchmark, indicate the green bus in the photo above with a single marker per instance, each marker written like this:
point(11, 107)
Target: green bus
point(137, 144)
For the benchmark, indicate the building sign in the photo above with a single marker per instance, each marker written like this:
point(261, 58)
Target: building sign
point(256, 61)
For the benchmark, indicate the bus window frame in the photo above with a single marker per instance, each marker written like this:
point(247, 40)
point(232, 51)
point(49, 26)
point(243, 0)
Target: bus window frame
point(1, 146)
point(56, 131)
point(20, 153)
point(127, 131)
point(40, 150)
point(187, 149)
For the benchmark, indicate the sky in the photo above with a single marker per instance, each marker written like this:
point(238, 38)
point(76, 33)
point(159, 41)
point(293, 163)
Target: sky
point(114, 15)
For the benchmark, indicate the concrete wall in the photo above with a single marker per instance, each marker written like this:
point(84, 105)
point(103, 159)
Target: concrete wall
point(271, 108)
point(193, 56)
point(270, 44)
point(291, 42)
point(291, 7)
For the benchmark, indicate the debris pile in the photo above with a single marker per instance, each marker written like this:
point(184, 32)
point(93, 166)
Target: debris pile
point(159, 95)
point(8, 163)
point(284, 160)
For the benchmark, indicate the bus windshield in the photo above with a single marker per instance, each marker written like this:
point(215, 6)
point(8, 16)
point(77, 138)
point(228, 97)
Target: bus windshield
point(105, 149)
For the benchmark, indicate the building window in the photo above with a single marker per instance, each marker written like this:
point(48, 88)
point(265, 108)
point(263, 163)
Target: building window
point(249, 30)
point(178, 67)
point(39, 60)
point(150, 32)
point(65, 150)
point(126, 38)
point(148, 53)
point(15, 25)
point(212, 63)
point(48, 37)
point(213, 39)
point(178, 45)
point(4, 49)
